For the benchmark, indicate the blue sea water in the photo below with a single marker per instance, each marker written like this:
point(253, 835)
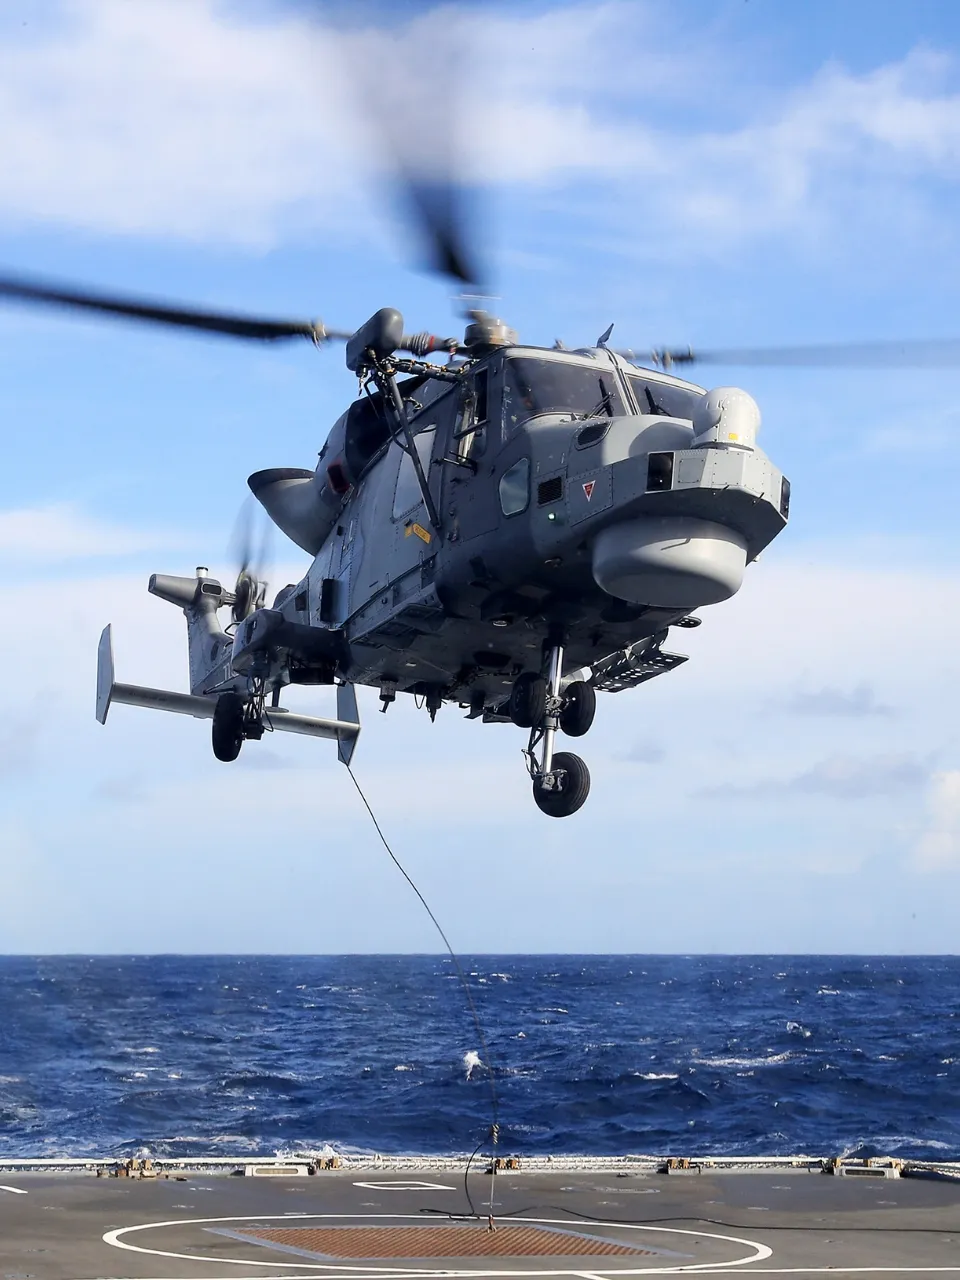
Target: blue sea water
point(591, 1054)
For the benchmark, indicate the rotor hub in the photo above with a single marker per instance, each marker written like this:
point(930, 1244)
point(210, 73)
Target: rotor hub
point(486, 332)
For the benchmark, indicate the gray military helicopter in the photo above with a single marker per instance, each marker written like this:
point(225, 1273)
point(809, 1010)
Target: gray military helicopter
point(508, 528)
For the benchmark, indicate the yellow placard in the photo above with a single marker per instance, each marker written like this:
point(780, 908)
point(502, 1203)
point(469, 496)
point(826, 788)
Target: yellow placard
point(419, 530)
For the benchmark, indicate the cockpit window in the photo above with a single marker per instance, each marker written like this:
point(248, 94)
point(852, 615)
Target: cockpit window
point(532, 387)
point(664, 399)
point(470, 430)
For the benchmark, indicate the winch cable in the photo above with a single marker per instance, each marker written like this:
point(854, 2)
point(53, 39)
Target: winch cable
point(494, 1131)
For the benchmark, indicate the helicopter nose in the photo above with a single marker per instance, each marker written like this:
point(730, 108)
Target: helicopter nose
point(669, 562)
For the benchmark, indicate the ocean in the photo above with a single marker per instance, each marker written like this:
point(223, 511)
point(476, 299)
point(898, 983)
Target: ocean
point(592, 1055)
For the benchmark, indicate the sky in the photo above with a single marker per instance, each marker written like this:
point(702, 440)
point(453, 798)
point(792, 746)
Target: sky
point(717, 174)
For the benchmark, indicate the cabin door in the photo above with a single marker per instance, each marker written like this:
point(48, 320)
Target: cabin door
point(470, 505)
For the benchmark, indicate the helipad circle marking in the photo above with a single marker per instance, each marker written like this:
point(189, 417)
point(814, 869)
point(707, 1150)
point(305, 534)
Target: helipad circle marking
point(760, 1254)
point(405, 1185)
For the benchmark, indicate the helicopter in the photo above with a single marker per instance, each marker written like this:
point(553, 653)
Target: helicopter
point(511, 529)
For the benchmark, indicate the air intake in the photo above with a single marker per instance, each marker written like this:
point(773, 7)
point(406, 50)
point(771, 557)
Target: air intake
point(550, 491)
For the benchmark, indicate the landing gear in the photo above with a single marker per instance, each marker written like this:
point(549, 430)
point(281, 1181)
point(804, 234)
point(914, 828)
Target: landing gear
point(528, 700)
point(569, 787)
point(579, 708)
point(236, 718)
point(228, 718)
point(561, 781)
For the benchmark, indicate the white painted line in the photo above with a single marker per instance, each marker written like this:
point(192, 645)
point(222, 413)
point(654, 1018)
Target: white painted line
point(702, 1269)
point(17, 1191)
point(760, 1251)
point(404, 1186)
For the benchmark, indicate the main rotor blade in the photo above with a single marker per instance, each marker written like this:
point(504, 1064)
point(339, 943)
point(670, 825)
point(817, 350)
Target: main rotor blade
point(911, 353)
point(21, 289)
point(418, 124)
point(439, 211)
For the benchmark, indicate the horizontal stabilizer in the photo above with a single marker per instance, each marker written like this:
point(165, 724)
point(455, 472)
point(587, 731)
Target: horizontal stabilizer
point(344, 730)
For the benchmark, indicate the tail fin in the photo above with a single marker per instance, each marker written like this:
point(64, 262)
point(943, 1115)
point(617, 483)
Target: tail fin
point(210, 647)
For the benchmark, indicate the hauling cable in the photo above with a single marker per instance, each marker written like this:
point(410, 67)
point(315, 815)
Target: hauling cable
point(493, 1133)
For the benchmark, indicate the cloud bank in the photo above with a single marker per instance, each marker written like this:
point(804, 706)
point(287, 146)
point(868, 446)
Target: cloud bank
point(201, 120)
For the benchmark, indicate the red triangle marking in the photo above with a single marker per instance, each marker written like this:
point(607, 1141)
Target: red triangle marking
point(588, 489)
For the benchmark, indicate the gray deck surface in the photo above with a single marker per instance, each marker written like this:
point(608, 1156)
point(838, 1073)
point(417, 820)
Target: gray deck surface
point(767, 1223)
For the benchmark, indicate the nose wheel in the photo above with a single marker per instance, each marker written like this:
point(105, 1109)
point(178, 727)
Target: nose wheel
point(561, 780)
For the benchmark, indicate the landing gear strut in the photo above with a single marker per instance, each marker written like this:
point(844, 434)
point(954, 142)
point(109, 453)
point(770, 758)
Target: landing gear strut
point(561, 780)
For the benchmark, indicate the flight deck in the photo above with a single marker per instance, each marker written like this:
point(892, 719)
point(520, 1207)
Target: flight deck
point(395, 1223)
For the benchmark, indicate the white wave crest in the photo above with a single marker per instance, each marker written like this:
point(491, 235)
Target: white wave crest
point(771, 1061)
point(898, 1140)
point(471, 1060)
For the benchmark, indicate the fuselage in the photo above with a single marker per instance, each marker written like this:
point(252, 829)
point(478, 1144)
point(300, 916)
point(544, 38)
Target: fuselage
point(576, 495)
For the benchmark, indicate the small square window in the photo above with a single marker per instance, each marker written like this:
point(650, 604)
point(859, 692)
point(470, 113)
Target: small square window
point(515, 488)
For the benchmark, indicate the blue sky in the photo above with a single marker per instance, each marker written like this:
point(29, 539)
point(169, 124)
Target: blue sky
point(718, 174)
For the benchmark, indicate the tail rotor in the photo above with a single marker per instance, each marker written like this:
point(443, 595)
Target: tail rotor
point(250, 546)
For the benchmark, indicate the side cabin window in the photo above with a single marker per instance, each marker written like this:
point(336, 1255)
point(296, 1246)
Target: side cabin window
point(431, 413)
point(532, 387)
point(663, 398)
point(515, 488)
point(368, 429)
point(407, 494)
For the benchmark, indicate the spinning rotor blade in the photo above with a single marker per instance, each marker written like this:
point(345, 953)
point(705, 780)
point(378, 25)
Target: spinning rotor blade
point(250, 588)
point(248, 550)
point(21, 289)
point(416, 123)
point(909, 354)
point(439, 210)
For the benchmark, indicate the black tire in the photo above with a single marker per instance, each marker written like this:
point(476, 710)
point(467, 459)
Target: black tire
point(228, 727)
point(573, 791)
point(528, 700)
point(580, 706)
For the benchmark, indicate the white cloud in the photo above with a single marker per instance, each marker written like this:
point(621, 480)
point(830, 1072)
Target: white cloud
point(193, 119)
point(841, 777)
point(938, 848)
point(62, 531)
point(817, 146)
point(861, 700)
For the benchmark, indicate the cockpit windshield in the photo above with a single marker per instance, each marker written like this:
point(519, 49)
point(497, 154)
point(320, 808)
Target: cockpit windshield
point(663, 398)
point(532, 387)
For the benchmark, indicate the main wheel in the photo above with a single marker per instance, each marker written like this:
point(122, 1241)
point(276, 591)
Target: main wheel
point(574, 786)
point(228, 727)
point(580, 706)
point(528, 700)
